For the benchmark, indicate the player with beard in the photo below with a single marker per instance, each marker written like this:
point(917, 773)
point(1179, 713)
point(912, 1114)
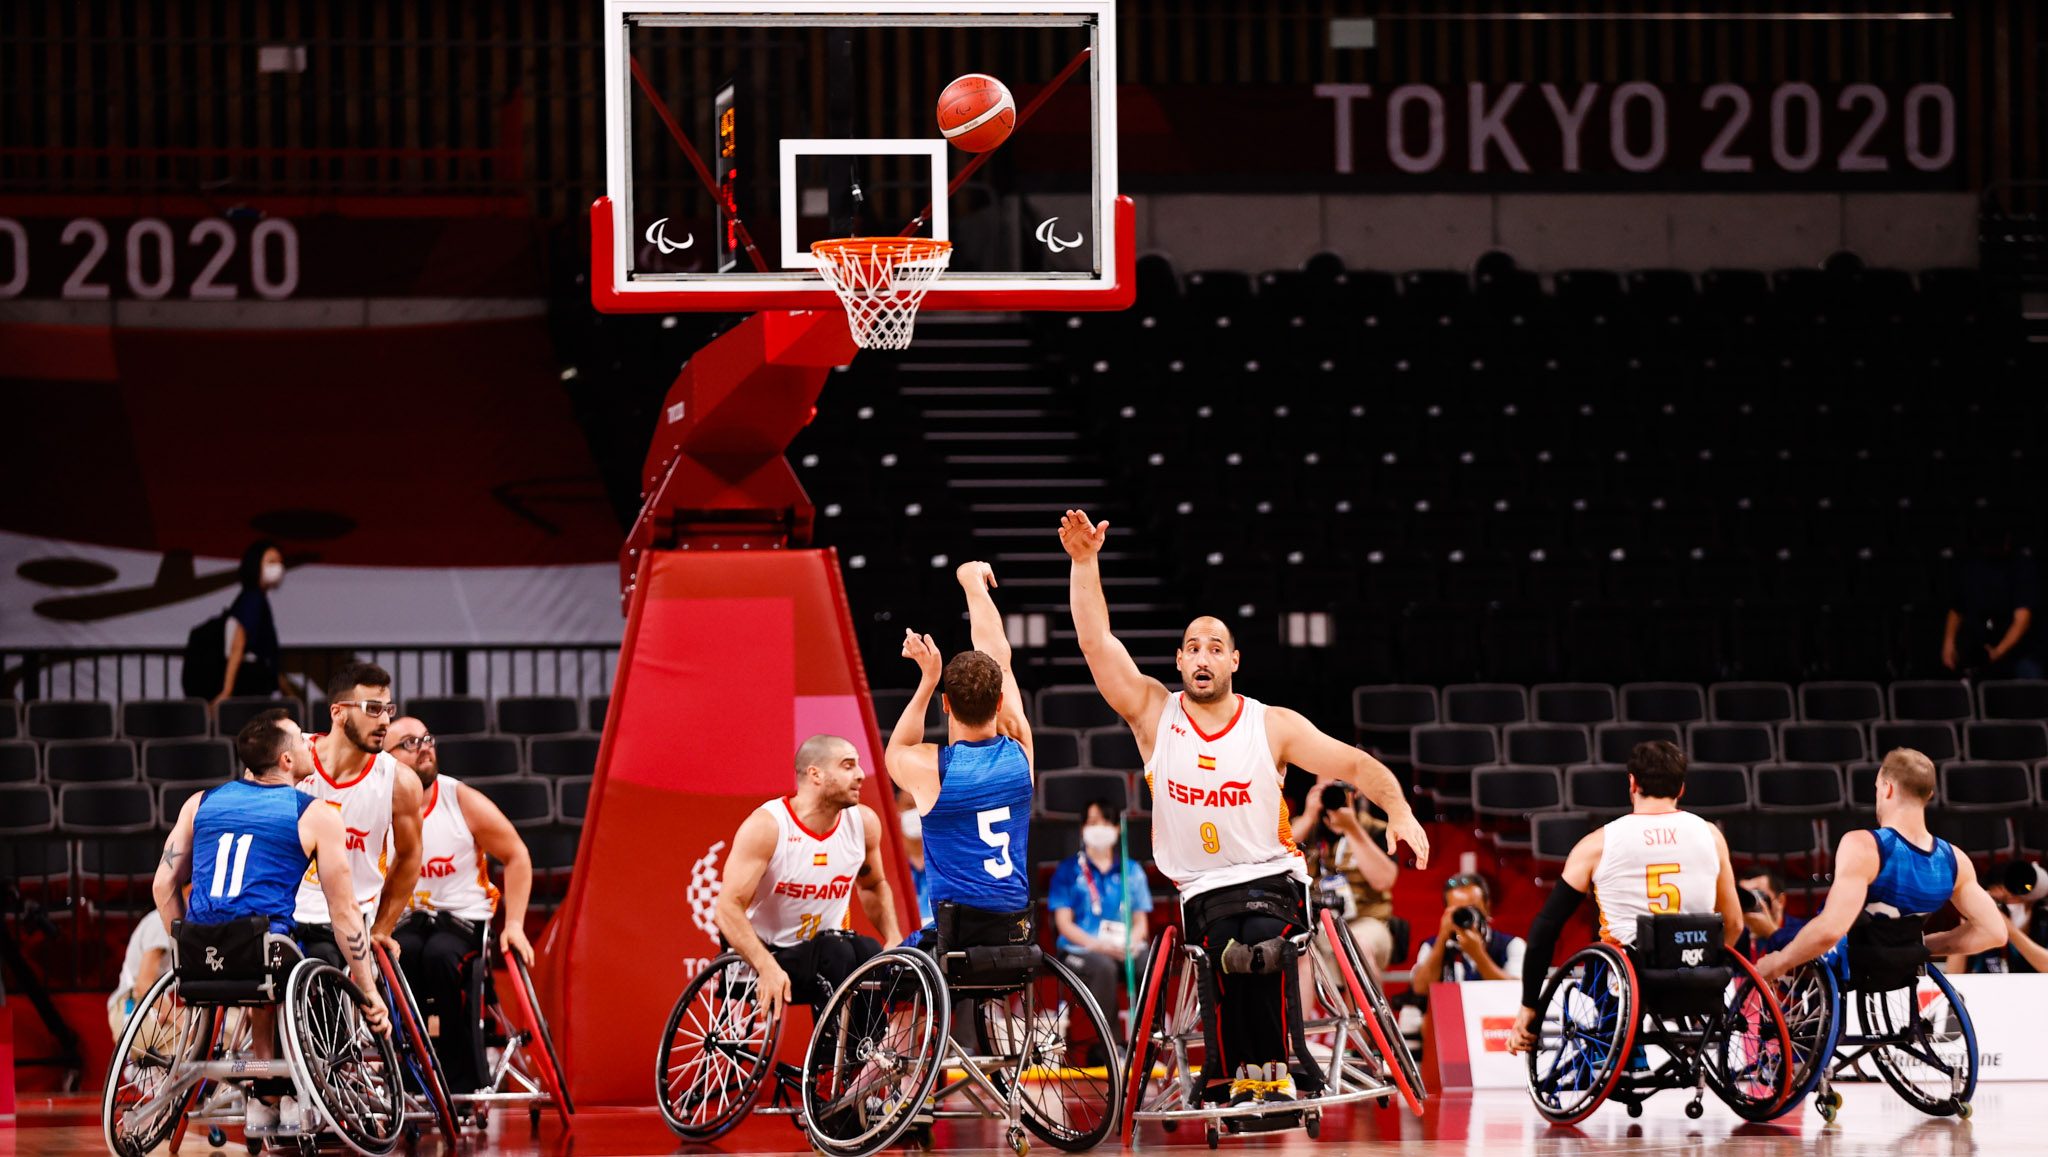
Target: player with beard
point(459, 827)
point(379, 800)
point(1215, 761)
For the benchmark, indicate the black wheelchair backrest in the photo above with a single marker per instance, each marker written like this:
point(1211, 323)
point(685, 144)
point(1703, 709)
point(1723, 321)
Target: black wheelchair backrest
point(1886, 953)
point(234, 962)
point(1678, 958)
point(982, 949)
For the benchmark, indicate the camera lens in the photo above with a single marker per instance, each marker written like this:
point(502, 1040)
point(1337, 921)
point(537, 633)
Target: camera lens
point(1467, 917)
point(1336, 795)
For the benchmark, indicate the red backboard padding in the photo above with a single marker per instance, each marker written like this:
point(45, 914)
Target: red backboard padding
point(731, 658)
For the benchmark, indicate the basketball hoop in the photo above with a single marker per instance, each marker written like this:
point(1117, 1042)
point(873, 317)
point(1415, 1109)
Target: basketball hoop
point(880, 280)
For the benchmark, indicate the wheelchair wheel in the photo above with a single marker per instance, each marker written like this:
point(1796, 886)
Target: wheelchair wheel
point(163, 1036)
point(1932, 1057)
point(1585, 1033)
point(344, 1070)
point(1166, 1007)
point(1748, 1053)
point(550, 1061)
point(1050, 1027)
point(1370, 1005)
point(1812, 1001)
point(717, 1052)
point(875, 1053)
point(419, 1052)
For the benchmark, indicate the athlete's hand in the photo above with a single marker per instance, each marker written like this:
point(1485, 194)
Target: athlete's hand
point(1082, 539)
point(921, 650)
point(773, 991)
point(1406, 829)
point(375, 1013)
point(1522, 1037)
point(390, 944)
point(1773, 966)
point(976, 576)
point(514, 940)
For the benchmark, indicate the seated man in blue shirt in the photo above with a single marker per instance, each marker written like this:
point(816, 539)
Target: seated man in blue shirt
point(1766, 928)
point(1099, 900)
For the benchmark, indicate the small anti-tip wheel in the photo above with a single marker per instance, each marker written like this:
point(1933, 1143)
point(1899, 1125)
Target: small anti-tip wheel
point(1826, 1110)
point(1019, 1143)
point(1312, 1123)
point(482, 1117)
point(1635, 1109)
point(1387, 1102)
point(217, 1137)
point(1694, 1110)
point(1212, 1133)
point(533, 1119)
point(1963, 1110)
point(1170, 1126)
point(254, 1146)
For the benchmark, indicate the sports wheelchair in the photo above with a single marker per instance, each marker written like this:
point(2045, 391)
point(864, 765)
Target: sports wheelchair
point(1675, 1011)
point(185, 1044)
point(1927, 1053)
point(1351, 1051)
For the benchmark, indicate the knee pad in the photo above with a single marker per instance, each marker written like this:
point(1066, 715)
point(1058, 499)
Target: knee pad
point(1265, 958)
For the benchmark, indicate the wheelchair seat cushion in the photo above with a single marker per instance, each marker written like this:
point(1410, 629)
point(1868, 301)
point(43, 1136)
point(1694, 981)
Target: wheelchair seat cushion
point(1886, 954)
point(979, 948)
point(233, 962)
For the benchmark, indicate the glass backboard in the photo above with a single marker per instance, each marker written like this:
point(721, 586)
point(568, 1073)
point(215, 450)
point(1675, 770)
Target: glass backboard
point(739, 133)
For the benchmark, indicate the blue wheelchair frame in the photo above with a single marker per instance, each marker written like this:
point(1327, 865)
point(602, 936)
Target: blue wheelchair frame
point(1815, 1003)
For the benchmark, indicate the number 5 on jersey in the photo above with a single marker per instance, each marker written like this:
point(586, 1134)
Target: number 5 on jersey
point(1663, 897)
point(998, 866)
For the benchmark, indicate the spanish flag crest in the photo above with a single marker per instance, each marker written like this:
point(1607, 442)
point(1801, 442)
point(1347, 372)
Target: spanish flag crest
point(818, 859)
point(1206, 762)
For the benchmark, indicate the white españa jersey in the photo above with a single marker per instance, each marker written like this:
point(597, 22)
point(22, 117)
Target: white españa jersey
point(366, 814)
point(809, 882)
point(1652, 864)
point(1218, 818)
point(454, 876)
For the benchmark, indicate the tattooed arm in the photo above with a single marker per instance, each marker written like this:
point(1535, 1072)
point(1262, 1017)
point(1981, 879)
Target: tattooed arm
point(176, 869)
point(323, 837)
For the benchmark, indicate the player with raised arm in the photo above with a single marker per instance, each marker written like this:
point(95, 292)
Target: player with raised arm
point(1654, 860)
point(1215, 761)
point(786, 900)
point(1890, 878)
point(973, 793)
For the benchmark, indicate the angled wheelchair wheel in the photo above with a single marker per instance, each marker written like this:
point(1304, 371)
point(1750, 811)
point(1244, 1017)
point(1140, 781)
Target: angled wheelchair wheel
point(875, 1053)
point(1931, 1059)
point(418, 1055)
point(1812, 1000)
point(1370, 1004)
point(1585, 1033)
point(550, 1060)
point(347, 1073)
point(1748, 1054)
point(1063, 1066)
point(142, 1104)
point(1165, 1010)
point(717, 1052)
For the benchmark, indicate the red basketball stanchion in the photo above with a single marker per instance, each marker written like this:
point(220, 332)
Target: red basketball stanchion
point(550, 1065)
point(405, 1015)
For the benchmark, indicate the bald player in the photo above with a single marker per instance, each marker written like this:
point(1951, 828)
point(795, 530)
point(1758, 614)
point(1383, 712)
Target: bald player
point(785, 903)
point(1215, 761)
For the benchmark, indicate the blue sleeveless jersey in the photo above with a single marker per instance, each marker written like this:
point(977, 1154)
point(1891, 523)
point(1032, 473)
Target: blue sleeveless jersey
point(1910, 882)
point(246, 855)
point(977, 836)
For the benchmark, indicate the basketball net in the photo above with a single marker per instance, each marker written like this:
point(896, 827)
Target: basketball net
point(881, 280)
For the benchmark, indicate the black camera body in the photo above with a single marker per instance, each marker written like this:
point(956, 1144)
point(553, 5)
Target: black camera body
point(1467, 916)
point(1337, 795)
point(1753, 900)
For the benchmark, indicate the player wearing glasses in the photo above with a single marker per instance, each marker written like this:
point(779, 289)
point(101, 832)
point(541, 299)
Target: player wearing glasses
point(379, 801)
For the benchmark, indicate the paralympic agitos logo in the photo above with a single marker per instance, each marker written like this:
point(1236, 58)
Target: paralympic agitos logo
point(1229, 793)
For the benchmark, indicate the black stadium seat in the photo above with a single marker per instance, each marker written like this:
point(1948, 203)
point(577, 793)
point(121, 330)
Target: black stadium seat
point(1663, 703)
point(1546, 744)
point(1600, 788)
point(2013, 699)
point(235, 711)
point(1980, 834)
point(1077, 707)
point(188, 761)
point(2022, 740)
point(538, 715)
point(1585, 703)
point(1713, 789)
point(1113, 749)
point(1980, 785)
point(1067, 794)
point(88, 760)
point(1553, 835)
point(26, 809)
point(164, 718)
point(1936, 741)
point(1814, 742)
point(1749, 702)
point(1055, 749)
point(1491, 703)
point(70, 719)
point(527, 803)
point(1444, 754)
point(1730, 743)
point(1799, 788)
point(595, 711)
point(1614, 742)
point(477, 756)
point(1931, 700)
point(1383, 716)
point(1841, 702)
point(105, 809)
point(447, 715)
point(18, 762)
point(572, 800)
point(562, 756)
point(1516, 790)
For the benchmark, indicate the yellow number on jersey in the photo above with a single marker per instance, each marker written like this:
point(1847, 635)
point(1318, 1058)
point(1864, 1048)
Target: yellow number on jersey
point(1658, 890)
point(1211, 842)
point(807, 926)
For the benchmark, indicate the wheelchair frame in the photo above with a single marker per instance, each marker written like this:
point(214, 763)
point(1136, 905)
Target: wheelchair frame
point(1687, 1040)
point(1820, 985)
point(201, 1057)
point(1358, 1026)
point(513, 1079)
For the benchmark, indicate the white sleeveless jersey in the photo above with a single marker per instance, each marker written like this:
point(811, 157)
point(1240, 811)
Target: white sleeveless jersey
point(365, 807)
point(1218, 818)
point(809, 882)
point(454, 875)
point(1652, 864)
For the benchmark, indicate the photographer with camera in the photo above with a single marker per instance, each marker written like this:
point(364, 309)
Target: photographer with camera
point(1472, 948)
point(1353, 874)
point(2018, 890)
point(1766, 928)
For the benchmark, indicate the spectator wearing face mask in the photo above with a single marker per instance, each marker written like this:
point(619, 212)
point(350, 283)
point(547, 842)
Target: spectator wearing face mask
point(255, 661)
point(1099, 900)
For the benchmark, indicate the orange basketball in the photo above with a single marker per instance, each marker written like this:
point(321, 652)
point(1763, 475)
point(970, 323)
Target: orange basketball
point(977, 112)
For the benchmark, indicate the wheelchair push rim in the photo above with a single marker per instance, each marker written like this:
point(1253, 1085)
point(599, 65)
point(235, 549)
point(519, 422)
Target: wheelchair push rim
point(163, 1035)
point(727, 1049)
point(1371, 1007)
point(341, 1064)
point(1158, 1018)
point(1812, 1002)
point(1056, 1092)
point(1934, 1067)
point(550, 1060)
point(1585, 1033)
point(863, 1088)
point(1750, 1060)
point(419, 1052)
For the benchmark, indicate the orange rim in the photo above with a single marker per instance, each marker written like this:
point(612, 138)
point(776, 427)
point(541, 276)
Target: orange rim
point(899, 248)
